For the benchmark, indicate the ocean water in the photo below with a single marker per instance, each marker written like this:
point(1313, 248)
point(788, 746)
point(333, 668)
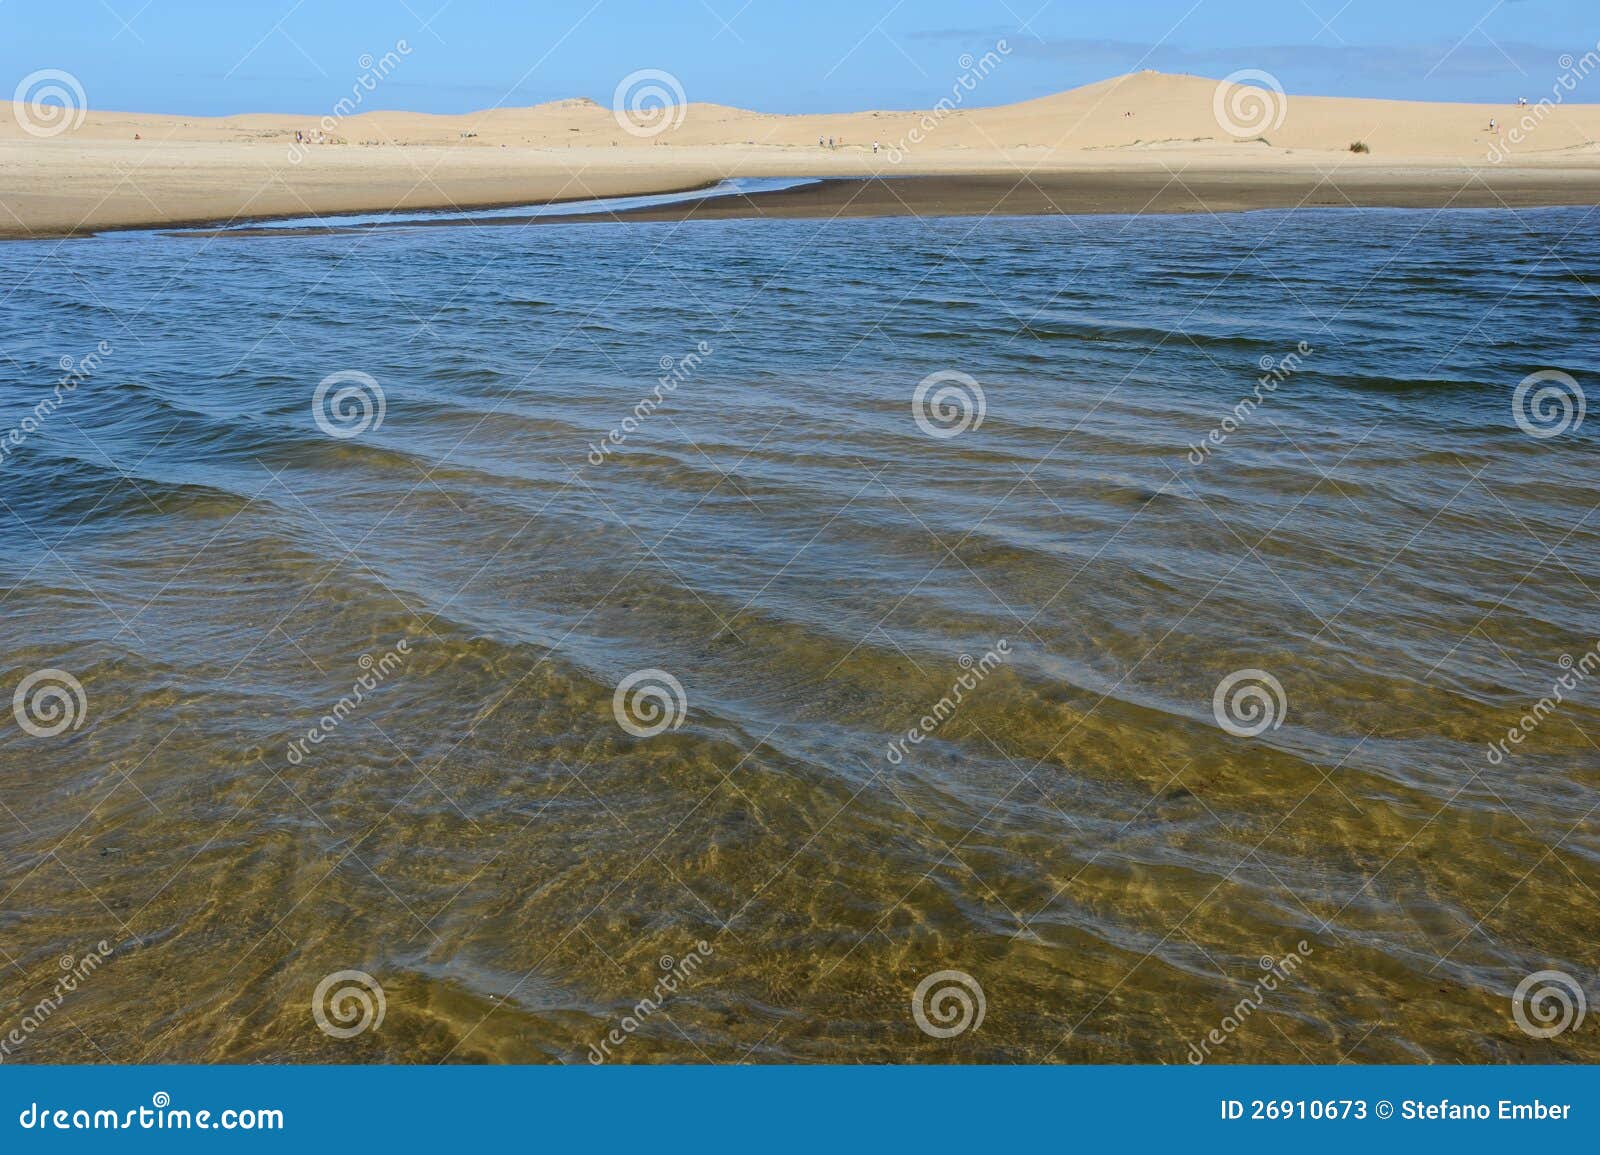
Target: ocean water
point(989, 640)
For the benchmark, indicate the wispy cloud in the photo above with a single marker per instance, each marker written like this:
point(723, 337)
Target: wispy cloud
point(1401, 63)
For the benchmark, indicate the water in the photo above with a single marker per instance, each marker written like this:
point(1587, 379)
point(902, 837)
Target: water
point(736, 186)
point(1079, 835)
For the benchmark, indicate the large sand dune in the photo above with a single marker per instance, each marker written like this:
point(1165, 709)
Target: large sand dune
point(183, 169)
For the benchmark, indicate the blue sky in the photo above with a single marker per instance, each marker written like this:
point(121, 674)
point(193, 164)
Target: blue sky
point(222, 56)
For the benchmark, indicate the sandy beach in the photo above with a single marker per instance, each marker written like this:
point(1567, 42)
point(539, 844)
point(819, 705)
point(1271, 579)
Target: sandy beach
point(1147, 142)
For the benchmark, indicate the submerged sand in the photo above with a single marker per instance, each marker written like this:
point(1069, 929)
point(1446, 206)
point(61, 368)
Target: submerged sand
point(1142, 142)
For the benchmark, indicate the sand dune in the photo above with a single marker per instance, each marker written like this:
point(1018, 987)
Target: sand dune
point(185, 169)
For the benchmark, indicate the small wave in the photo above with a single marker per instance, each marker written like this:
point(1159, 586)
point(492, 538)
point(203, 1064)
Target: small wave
point(1385, 383)
point(1136, 334)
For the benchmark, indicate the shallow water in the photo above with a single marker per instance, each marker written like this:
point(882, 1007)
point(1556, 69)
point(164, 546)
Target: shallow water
point(735, 186)
point(1078, 835)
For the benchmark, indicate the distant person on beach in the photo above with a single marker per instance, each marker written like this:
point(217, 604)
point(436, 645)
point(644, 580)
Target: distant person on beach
point(874, 148)
point(1492, 127)
point(830, 142)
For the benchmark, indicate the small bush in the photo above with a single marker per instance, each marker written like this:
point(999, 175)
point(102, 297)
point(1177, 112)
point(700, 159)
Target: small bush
point(1360, 146)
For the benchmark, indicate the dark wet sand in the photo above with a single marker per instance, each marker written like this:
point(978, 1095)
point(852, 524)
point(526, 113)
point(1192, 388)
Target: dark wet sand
point(1075, 193)
point(1216, 191)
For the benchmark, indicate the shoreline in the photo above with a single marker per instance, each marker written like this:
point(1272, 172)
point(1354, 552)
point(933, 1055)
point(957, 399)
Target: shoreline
point(345, 202)
point(220, 226)
point(1144, 141)
point(1089, 192)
